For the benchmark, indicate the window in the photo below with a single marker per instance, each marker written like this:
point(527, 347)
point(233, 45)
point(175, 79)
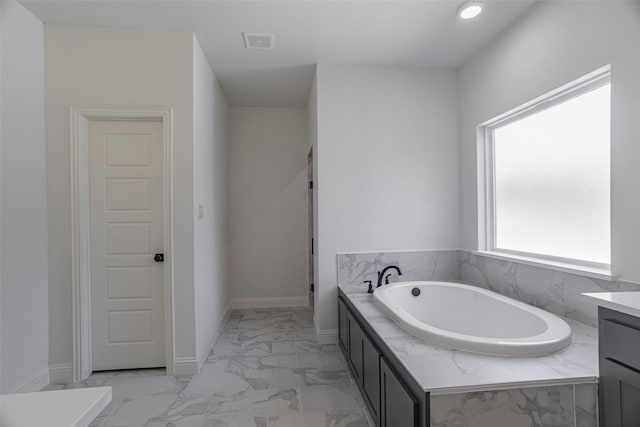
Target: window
point(547, 177)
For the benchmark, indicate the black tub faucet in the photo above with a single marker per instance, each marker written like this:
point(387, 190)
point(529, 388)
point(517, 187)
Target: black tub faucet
point(381, 274)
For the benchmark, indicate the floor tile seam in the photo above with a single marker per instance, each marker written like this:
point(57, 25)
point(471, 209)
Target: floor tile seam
point(299, 391)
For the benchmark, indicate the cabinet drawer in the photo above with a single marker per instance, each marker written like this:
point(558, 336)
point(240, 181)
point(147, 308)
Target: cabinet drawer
point(621, 343)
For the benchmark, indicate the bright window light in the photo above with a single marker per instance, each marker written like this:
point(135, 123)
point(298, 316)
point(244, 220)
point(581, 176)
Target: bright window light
point(551, 172)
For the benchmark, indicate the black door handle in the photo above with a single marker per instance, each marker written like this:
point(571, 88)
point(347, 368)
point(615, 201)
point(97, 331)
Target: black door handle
point(159, 258)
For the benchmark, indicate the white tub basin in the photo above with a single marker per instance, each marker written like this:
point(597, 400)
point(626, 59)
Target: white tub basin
point(473, 319)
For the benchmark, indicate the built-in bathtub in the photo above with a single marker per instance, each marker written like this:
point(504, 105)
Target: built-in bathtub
point(473, 319)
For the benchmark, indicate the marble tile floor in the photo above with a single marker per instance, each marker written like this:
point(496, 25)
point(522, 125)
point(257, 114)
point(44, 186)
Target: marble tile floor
point(265, 370)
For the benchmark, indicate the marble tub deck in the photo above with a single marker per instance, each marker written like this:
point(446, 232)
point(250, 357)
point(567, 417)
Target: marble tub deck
point(444, 371)
point(473, 390)
point(265, 370)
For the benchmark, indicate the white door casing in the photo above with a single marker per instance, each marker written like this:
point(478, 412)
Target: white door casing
point(126, 230)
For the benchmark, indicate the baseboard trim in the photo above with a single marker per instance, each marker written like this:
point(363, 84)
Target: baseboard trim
point(270, 302)
point(61, 373)
point(214, 338)
point(327, 336)
point(35, 382)
point(185, 366)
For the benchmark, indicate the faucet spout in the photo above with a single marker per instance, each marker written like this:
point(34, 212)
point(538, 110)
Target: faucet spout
point(381, 274)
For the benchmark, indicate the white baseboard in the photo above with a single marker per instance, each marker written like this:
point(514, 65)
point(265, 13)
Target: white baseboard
point(35, 382)
point(185, 366)
point(214, 338)
point(270, 302)
point(327, 336)
point(61, 373)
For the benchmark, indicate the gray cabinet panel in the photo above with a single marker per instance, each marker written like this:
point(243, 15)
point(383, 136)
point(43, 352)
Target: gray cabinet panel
point(621, 395)
point(355, 348)
point(398, 408)
point(371, 376)
point(621, 343)
point(343, 328)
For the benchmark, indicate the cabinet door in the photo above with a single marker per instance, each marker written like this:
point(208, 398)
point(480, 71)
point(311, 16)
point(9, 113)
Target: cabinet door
point(621, 395)
point(371, 376)
point(343, 328)
point(355, 348)
point(398, 407)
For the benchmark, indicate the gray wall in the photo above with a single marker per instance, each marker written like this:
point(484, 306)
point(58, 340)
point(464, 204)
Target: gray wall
point(387, 156)
point(24, 312)
point(269, 202)
point(212, 283)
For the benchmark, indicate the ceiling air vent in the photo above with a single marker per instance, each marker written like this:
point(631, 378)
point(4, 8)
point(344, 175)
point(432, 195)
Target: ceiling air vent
point(258, 40)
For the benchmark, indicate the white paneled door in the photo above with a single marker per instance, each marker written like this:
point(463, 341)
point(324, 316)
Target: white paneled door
point(127, 284)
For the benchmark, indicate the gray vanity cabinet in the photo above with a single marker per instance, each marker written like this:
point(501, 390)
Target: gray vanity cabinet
point(398, 407)
point(619, 336)
point(392, 396)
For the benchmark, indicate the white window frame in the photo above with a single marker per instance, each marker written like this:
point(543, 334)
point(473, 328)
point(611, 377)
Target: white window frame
point(486, 174)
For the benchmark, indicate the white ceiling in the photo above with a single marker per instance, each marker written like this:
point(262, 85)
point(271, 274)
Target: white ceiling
point(400, 33)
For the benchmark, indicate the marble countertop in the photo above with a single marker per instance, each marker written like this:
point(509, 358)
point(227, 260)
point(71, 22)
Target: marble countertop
point(624, 302)
point(439, 370)
point(60, 408)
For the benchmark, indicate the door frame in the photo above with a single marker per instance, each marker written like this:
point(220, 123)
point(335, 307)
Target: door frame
point(311, 243)
point(81, 231)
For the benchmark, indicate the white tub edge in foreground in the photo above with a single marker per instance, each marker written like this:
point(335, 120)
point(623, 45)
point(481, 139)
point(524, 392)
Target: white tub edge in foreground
point(394, 301)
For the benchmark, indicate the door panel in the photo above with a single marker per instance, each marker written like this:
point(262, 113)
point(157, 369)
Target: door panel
point(130, 326)
point(128, 238)
point(127, 286)
point(128, 194)
point(129, 282)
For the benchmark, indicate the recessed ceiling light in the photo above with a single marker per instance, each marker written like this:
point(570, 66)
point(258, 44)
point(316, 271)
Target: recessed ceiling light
point(258, 40)
point(470, 9)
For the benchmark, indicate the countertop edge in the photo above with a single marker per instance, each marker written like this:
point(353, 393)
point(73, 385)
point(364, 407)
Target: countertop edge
point(603, 299)
point(74, 407)
point(442, 391)
point(93, 411)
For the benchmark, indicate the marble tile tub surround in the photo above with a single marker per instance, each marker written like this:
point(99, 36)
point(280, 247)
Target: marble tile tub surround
point(354, 269)
point(264, 371)
point(555, 291)
point(558, 406)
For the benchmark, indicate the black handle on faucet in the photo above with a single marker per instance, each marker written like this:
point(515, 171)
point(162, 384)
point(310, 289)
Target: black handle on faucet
point(370, 290)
